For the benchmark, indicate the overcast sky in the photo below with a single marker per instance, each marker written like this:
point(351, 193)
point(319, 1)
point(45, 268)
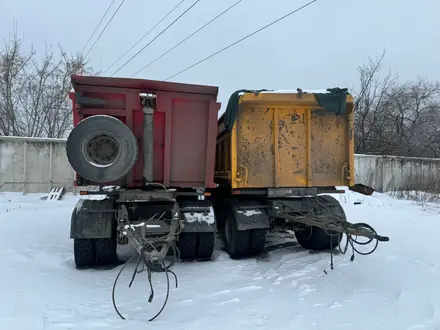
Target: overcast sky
point(318, 47)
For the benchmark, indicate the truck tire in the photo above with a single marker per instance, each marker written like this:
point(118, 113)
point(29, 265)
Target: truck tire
point(196, 246)
point(258, 241)
point(105, 250)
point(237, 242)
point(315, 238)
point(187, 245)
point(198, 236)
point(205, 247)
point(102, 149)
point(247, 241)
point(84, 252)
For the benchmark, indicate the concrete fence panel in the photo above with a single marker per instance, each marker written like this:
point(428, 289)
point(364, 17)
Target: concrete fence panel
point(387, 173)
point(33, 165)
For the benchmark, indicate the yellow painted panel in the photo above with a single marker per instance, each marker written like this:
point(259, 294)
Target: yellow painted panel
point(254, 148)
point(289, 141)
point(351, 144)
point(329, 148)
point(292, 146)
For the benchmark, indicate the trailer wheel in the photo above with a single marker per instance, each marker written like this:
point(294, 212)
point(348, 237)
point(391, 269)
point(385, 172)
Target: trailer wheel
point(258, 241)
point(315, 238)
point(105, 251)
point(84, 252)
point(206, 245)
point(102, 149)
point(237, 243)
point(187, 244)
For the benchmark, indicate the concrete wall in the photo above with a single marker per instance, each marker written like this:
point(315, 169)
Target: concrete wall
point(35, 165)
point(387, 173)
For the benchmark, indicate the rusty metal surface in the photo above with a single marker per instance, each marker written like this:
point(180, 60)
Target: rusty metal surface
point(292, 143)
point(255, 149)
point(307, 147)
point(329, 148)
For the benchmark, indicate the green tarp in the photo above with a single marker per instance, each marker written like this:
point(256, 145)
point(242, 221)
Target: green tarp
point(334, 100)
point(232, 107)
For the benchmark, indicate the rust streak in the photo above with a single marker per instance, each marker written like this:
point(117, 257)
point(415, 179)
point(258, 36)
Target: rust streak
point(276, 147)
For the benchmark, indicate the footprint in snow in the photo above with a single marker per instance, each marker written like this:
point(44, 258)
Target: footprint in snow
point(230, 301)
point(336, 305)
point(249, 288)
point(219, 293)
point(305, 289)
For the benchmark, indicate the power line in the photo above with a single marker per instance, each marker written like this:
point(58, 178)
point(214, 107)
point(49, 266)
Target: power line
point(145, 35)
point(192, 34)
point(240, 40)
point(97, 26)
point(105, 27)
point(155, 37)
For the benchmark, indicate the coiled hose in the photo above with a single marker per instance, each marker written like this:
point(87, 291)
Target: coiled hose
point(350, 241)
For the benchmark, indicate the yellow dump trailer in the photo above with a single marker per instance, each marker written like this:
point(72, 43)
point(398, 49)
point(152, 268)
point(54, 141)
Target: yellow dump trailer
point(278, 155)
point(285, 140)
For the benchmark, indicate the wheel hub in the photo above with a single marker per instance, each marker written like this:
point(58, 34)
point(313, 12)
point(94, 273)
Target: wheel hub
point(101, 149)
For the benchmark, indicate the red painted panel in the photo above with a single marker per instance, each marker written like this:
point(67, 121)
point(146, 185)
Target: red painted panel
point(185, 125)
point(189, 125)
point(211, 144)
point(189, 139)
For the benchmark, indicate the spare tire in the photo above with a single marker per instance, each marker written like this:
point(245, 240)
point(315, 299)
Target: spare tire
point(102, 149)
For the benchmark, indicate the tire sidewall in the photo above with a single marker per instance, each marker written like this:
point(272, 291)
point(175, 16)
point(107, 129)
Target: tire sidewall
point(316, 238)
point(126, 140)
point(228, 232)
point(231, 243)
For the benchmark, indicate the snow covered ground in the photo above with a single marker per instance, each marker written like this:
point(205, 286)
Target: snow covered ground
point(397, 287)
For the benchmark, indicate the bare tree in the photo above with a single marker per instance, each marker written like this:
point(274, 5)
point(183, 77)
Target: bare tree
point(12, 80)
point(369, 119)
point(34, 91)
point(413, 111)
point(393, 118)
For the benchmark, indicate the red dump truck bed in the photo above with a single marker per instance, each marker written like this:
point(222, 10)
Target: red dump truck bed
point(184, 124)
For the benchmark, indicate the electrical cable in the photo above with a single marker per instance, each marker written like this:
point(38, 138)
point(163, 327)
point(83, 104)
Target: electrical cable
point(166, 297)
point(166, 271)
point(97, 26)
point(171, 24)
point(151, 293)
point(146, 266)
point(145, 35)
point(114, 285)
point(191, 35)
point(242, 39)
point(105, 27)
point(350, 240)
